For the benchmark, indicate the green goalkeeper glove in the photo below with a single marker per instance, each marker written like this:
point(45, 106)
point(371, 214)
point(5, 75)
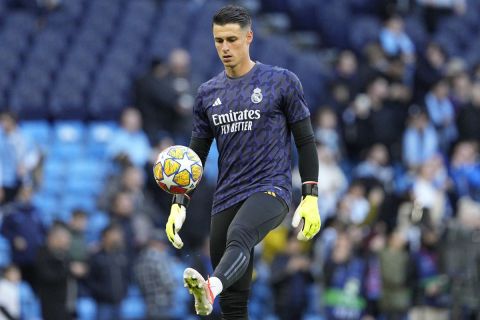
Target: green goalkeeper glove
point(308, 211)
point(176, 219)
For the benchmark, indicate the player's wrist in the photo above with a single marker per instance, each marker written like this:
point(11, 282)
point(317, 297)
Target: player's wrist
point(310, 188)
point(181, 199)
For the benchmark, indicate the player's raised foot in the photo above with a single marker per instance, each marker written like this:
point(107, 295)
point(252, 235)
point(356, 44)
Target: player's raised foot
point(200, 289)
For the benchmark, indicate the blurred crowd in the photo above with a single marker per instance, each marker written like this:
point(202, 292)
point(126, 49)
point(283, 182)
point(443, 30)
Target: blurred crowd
point(398, 140)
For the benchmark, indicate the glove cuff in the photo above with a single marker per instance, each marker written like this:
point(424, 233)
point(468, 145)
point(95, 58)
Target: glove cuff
point(310, 188)
point(181, 199)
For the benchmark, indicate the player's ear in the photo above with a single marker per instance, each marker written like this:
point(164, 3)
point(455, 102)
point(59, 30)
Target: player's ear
point(249, 36)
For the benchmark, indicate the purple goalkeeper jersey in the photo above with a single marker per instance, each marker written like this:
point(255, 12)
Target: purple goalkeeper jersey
point(249, 117)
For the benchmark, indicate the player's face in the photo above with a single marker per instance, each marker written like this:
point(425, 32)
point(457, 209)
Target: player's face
point(232, 43)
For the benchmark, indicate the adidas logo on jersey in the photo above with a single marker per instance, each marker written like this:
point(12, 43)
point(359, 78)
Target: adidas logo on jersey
point(217, 102)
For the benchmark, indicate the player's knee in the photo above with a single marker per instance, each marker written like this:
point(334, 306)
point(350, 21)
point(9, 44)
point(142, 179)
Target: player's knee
point(234, 304)
point(242, 236)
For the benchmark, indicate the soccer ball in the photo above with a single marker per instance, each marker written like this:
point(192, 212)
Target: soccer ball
point(178, 169)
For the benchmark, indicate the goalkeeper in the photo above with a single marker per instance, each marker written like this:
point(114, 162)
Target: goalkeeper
point(251, 109)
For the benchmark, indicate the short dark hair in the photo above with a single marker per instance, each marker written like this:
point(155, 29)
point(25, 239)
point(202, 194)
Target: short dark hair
point(232, 14)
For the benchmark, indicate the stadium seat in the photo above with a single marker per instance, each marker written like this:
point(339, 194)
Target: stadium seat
point(67, 103)
point(133, 308)
point(71, 201)
point(9, 60)
point(22, 21)
point(69, 131)
point(363, 30)
point(48, 205)
point(86, 308)
point(39, 132)
point(66, 151)
point(97, 221)
point(54, 169)
point(15, 40)
point(28, 102)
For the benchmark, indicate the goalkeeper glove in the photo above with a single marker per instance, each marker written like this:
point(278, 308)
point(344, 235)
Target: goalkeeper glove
point(176, 218)
point(308, 211)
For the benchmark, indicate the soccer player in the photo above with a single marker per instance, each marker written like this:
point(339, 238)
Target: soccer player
point(251, 109)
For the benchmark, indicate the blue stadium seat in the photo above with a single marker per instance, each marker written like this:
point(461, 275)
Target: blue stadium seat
point(97, 221)
point(363, 30)
point(39, 132)
point(28, 102)
point(54, 41)
point(9, 60)
point(23, 21)
point(80, 56)
point(54, 169)
point(14, 40)
point(48, 204)
point(334, 20)
point(87, 168)
point(133, 308)
point(69, 131)
point(106, 107)
point(67, 104)
point(34, 76)
point(66, 151)
point(71, 201)
point(86, 308)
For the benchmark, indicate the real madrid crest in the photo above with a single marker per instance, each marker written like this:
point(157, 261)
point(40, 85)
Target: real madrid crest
point(256, 96)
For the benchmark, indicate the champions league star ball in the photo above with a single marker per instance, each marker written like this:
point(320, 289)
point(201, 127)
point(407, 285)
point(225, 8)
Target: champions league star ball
point(178, 169)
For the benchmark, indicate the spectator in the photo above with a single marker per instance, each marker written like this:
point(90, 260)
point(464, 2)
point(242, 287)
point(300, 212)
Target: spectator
point(327, 131)
point(135, 226)
point(17, 159)
point(420, 140)
point(54, 271)
point(154, 272)
point(130, 143)
point(395, 41)
point(378, 91)
point(469, 117)
point(291, 278)
point(343, 282)
point(430, 296)
point(109, 276)
point(376, 166)
point(164, 95)
point(10, 293)
point(395, 270)
point(340, 97)
point(25, 233)
point(461, 256)
point(441, 112)
point(346, 71)
point(131, 180)
point(462, 91)
point(78, 245)
point(429, 192)
point(354, 206)
point(332, 182)
point(465, 170)
point(431, 67)
point(357, 126)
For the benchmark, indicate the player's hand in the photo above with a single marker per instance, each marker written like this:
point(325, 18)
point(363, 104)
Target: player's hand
point(308, 211)
point(174, 224)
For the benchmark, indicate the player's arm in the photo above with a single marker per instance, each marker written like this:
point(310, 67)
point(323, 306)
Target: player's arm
point(308, 167)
